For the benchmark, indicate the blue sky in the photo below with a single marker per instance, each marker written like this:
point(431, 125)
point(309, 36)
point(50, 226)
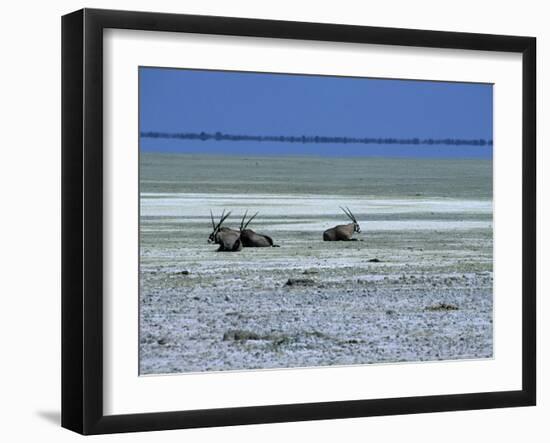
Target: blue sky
point(180, 100)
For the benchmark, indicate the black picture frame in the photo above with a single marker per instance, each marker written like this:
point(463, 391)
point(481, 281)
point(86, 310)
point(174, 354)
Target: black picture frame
point(82, 218)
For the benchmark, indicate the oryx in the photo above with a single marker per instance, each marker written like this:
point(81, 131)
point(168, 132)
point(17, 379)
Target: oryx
point(228, 239)
point(251, 239)
point(343, 232)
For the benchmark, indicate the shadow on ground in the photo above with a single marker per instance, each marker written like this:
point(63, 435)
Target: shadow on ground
point(54, 417)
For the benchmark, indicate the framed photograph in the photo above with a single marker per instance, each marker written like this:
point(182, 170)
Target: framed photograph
point(268, 221)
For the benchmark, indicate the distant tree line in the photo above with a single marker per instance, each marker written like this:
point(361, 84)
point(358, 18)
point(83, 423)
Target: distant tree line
point(219, 136)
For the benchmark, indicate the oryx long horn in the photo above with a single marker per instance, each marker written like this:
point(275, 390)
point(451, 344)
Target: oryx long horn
point(244, 217)
point(346, 212)
point(250, 219)
point(351, 214)
point(212, 218)
point(224, 217)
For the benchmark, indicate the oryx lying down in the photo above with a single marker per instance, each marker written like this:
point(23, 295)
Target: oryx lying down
point(343, 232)
point(228, 239)
point(251, 239)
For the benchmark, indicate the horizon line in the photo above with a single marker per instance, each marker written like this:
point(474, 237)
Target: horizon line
point(318, 139)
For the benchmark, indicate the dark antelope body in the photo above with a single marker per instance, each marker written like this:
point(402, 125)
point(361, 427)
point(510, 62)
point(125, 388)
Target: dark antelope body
point(228, 239)
point(251, 239)
point(343, 232)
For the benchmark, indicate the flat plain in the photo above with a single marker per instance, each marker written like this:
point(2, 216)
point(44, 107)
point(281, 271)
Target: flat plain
point(415, 286)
